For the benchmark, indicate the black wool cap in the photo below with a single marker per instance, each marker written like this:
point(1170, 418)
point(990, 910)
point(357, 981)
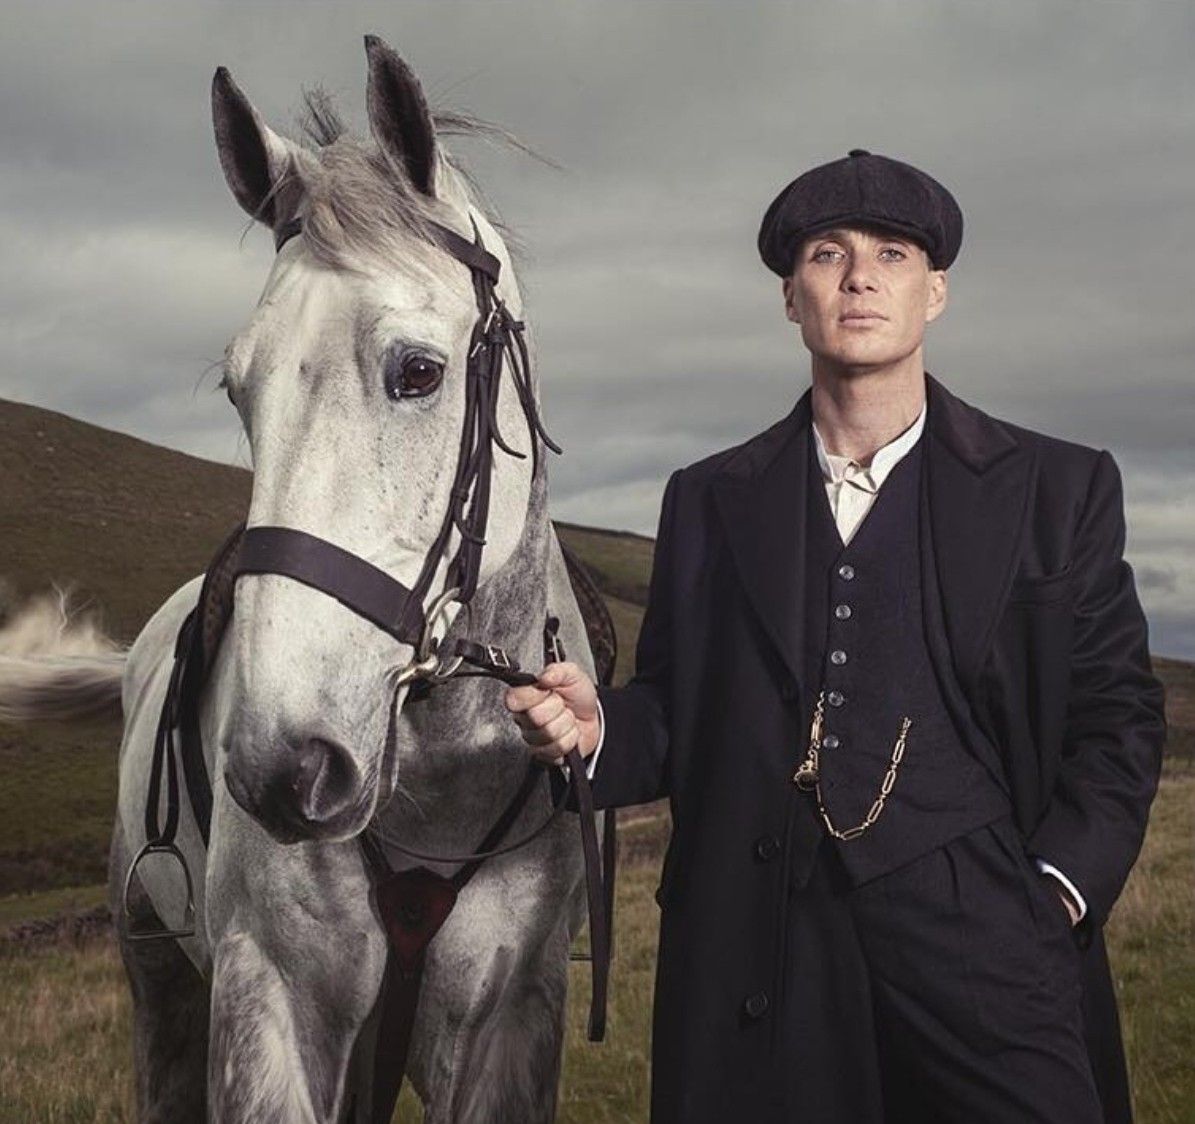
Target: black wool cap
point(862, 189)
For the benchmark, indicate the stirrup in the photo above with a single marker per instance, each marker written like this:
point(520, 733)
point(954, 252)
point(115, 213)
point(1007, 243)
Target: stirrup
point(157, 847)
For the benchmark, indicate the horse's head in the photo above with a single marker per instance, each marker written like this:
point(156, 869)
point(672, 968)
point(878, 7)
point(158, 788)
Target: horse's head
point(350, 382)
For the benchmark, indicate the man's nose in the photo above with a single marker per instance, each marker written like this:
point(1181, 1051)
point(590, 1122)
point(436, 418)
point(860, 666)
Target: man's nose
point(860, 276)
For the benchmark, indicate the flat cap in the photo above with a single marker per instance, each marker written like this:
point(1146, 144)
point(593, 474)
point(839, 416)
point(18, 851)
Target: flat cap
point(862, 188)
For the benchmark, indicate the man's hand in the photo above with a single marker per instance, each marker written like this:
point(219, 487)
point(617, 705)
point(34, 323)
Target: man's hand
point(558, 713)
point(1071, 908)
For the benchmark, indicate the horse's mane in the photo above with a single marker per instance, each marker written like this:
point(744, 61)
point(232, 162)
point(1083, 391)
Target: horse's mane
point(362, 207)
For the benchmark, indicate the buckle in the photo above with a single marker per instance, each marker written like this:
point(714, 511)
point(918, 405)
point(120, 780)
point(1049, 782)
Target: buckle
point(498, 657)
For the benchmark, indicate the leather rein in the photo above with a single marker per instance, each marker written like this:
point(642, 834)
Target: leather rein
point(413, 903)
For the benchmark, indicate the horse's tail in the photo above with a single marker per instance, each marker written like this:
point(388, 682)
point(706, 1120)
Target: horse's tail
point(57, 663)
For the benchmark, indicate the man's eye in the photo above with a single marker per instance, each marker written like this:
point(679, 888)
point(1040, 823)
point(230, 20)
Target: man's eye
point(823, 255)
point(413, 376)
point(893, 253)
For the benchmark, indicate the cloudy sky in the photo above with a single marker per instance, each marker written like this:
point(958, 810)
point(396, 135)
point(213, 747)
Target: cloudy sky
point(1066, 130)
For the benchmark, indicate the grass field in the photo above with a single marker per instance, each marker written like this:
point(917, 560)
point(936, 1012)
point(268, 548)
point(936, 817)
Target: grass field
point(64, 1041)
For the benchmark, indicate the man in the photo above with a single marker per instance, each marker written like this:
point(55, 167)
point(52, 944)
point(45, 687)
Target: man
point(893, 677)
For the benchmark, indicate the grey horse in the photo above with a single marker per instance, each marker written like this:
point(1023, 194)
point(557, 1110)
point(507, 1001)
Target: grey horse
point(268, 1012)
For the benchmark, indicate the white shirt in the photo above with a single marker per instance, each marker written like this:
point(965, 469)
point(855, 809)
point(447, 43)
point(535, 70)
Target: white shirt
point(852, 490)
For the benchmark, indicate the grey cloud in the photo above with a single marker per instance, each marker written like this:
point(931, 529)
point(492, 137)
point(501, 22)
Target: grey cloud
point(1150, 578)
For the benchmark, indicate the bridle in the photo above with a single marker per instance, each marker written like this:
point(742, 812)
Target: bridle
point(369, 591)
point(399, 611)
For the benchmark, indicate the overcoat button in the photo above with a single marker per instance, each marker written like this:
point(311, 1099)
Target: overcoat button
point(767, 847)
point(756, 1006)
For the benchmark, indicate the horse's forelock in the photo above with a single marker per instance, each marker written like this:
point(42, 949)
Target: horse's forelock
point(361, 208)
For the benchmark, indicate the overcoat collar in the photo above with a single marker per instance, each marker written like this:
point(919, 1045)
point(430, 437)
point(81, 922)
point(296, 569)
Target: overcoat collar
point(977, 481)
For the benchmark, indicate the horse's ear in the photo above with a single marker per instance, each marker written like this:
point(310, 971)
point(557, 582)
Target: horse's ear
point(254, 158)
point(398, 114)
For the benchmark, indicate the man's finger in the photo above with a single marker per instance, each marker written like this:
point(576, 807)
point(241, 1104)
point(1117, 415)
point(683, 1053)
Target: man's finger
point(558, 728)
point(562, 674)
point(543, 712)
point(560, 746)
point(522, 698)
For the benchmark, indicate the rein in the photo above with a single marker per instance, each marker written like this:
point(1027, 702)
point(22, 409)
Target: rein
point(413, 903)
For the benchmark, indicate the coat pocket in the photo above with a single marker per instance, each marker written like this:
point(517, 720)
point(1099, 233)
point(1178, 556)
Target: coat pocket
point(1042, 589)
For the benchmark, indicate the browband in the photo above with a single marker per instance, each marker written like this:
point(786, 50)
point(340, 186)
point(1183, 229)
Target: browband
point(467, 253)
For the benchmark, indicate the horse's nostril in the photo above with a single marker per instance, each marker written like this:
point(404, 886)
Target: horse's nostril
point(327, 780)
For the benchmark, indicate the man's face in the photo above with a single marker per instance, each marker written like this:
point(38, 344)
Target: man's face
point(862, 297)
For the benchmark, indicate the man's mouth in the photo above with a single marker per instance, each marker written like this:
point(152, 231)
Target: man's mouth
point(862, 314)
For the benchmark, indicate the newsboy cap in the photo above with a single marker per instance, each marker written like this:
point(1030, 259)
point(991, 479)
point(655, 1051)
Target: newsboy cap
point(862, 188)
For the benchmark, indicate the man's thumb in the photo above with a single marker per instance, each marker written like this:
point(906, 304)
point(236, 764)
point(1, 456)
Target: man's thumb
point(553, 675)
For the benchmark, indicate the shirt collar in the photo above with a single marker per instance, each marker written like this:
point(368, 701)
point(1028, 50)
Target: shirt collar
point(834, 468)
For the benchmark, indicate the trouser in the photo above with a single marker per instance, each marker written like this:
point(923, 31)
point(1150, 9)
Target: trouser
point(947, 990)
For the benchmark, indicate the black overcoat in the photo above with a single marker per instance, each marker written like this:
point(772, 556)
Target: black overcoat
point(1040, 624)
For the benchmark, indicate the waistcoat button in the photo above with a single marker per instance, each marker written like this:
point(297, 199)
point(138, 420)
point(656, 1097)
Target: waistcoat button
point(838, 657)
point(756, 1006)
point(830, 741)
point(767, 847)
point(842, 612)
point(836, 698)
point(846, 572)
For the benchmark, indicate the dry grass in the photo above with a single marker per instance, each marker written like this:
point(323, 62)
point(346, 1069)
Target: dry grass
point(64, 1042)
point(64, 1038)
point(1152, 944)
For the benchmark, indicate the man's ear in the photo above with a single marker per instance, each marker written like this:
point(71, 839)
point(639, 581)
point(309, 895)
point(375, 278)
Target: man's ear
point(937, 294)
point(790, 309)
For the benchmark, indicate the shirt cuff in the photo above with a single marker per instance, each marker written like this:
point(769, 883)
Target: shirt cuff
point(591, 760)
point(1044, 867)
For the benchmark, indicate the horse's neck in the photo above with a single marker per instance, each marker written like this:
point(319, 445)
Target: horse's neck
point(460, 755)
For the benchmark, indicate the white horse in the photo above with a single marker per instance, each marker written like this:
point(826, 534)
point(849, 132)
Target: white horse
point(348, 379)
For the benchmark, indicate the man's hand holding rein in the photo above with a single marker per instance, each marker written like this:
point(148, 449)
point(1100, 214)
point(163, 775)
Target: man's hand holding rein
point(557, 714)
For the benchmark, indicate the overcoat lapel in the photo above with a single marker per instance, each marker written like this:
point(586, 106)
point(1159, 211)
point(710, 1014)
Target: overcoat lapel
point(760, 495)
point(978, 478)
point(977, 490)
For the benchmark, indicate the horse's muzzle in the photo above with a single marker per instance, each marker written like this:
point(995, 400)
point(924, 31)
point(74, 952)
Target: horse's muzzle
point(311, 788)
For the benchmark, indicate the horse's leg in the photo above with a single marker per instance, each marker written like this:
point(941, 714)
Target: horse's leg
point(170, 1010)
point(297, 961)
point(489, 1033)
point(509, 1060)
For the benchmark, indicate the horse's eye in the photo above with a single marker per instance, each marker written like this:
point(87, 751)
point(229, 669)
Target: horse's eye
point(413, 376)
